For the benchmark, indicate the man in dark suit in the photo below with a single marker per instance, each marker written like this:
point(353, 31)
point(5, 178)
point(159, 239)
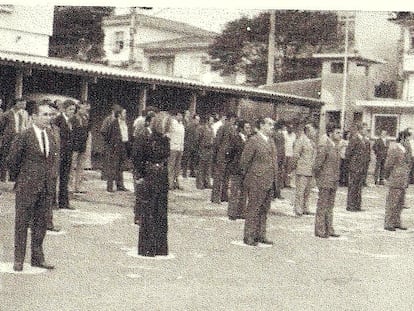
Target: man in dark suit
point(12, 122)
point(63, 122)
point(367, 158)
point(31, 156)
point(356, 156)
point(326, 171)
point(380, 149)
point(220, 169)
point(279, 139)
point(258, 164)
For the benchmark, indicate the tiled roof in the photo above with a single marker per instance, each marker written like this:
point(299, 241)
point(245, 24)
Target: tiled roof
point(178, 43)
point(103, 71)
point(158, 23)
point(351, 56)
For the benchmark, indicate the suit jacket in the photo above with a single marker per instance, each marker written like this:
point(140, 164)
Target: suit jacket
point(234, 152)
point(356, 154)
point(8, 128)
point(221, 143)
point(380, 149)
point(65, 135)
point(28, 164)
point(327, 165)
point(279, 139)
point(304, 153)
point(80, 130)
point(397, 168)
point(258, 163)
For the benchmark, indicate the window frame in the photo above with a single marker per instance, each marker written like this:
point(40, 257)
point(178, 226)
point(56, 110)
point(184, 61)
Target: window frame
point(374, 123)
point(119, 43)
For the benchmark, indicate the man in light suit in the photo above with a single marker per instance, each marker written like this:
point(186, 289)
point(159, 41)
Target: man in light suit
point(356, 156)
point(32, 155)
point(258, 165)
point(326, 171)
point(304, 153)
point(397, 170)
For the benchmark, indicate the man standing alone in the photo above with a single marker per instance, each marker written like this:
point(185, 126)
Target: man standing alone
point(258, 164)
point(30, 160)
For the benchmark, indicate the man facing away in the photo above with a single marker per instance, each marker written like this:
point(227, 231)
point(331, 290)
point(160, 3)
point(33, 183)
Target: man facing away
point(32, 155)
point(258, 164)
point(380, 149)
point(326, 171)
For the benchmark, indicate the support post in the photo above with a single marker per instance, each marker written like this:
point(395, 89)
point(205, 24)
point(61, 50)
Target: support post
point(142, 104)
point(193, 103)
point(84, 91)
point(19, 83)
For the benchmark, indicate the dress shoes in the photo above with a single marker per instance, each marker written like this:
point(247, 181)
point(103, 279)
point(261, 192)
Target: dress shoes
point(334, 235)
point(121, 188)
point(308, 213)
point(389, 228)
point(250, 242)
point(266, 241)
point(53, 229)
point(401, 228)
point(18, 266)
point(321, 236)
point(43, 265)
point(232, 217)
point(67, 207)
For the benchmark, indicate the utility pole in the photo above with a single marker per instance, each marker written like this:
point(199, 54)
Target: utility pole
point(345, 74)
point(132, 31)
point(271, 49)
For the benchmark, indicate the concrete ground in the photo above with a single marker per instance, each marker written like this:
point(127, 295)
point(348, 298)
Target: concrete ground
point(209, 268)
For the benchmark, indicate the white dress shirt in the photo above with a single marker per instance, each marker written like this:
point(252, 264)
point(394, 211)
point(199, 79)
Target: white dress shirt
point(38, 133)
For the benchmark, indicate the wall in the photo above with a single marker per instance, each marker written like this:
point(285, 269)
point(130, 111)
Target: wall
point(26, 29)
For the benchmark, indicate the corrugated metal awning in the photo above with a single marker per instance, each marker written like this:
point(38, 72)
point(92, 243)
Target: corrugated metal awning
point(103, 71)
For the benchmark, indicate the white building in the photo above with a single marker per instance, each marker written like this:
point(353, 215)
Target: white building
point(160, 46)
point(26, 29)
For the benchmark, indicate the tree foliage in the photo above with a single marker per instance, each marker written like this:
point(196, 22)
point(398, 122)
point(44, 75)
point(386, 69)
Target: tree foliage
point(243, 44)
point(77, 32)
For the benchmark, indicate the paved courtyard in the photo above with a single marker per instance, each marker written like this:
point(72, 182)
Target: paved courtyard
point(209, 268)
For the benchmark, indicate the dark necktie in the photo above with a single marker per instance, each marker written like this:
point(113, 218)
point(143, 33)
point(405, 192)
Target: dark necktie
point(44, 143)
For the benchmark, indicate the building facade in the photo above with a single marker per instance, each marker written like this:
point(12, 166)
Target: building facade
point(26, 29)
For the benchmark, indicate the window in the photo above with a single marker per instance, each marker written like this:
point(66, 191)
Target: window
point(119, 42)
point(163, 65)
point(337, 67)
point(6, 8)
point(386, 122)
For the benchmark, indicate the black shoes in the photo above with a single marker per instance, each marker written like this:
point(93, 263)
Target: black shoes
point(54, 229)
point(401, 228)
point(43, 265)
point(334, 235)
point(266, 241)
point(122, 188)
point(250, 242)
point(389, 228)
point(18, 266)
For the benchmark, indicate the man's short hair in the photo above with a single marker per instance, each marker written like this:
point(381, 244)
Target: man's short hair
point(37, 104)
point(331, 127)
point(67, 103)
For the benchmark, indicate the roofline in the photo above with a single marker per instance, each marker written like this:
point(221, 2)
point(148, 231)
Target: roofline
point(103, 71)
point(125, 19)
point(354, 56)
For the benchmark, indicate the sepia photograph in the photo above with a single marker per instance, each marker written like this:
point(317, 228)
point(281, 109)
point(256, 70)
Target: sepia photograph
point(206, 156)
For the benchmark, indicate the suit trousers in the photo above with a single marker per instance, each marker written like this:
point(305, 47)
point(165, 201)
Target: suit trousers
point(30, 210)
point(287, 171)
point(379, 170)
point(78, 158)
point(258, 205)
point(324, 212)
point(356, 180)
point(303, 188)
point(64, 175)
point(393, 207)
point(174, 168)
point(237, 197)
point(220, 183)
point(203, 171)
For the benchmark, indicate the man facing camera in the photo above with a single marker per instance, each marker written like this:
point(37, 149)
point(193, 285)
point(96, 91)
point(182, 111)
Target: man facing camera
point(32, 155)
point(258, 165)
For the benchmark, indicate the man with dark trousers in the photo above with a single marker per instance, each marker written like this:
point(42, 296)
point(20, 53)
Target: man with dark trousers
point(356, 156)
point(380, 149)
point(31, 156)
point(65, 129)
point(326, 171)
point(12, 122)
point(258, 164)
point(220, 169)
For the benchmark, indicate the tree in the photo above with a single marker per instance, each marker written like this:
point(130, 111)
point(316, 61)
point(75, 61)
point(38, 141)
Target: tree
point(77, 32)
point(242, 46)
